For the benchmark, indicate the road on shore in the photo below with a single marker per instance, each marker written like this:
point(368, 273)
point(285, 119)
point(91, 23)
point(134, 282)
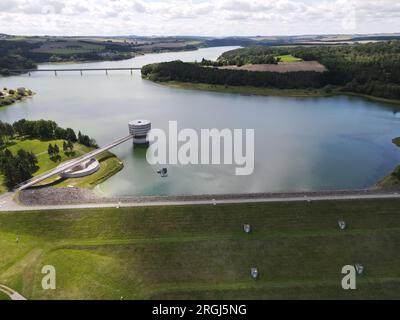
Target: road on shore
point(7, 202)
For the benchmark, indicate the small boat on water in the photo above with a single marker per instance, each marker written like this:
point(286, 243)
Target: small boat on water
point(163, 172)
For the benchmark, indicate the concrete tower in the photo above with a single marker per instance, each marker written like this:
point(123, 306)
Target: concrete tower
point(139, 129)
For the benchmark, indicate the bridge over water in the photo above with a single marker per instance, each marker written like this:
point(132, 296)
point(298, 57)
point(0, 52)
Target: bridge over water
point(81, 70)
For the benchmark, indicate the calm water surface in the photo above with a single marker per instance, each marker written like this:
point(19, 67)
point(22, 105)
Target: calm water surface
point(302, 144)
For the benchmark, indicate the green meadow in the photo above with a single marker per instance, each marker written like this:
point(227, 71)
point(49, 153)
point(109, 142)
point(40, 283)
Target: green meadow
point(202, 252)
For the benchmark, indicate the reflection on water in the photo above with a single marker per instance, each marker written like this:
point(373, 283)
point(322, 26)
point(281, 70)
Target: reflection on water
point(301, 143)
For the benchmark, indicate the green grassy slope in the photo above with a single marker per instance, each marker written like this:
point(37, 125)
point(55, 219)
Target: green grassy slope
point(201, 251)
point(3, 296)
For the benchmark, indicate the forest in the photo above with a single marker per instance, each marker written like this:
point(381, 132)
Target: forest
point(371, 69)
point(189, 72)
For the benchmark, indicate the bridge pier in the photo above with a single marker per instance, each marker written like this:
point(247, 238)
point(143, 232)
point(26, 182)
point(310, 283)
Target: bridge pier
point(81, 73)
point(106, 72)
point(55, 73)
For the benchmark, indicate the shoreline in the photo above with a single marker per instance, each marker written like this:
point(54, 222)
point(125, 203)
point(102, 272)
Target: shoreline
point(255, 91)
point(69, 198)
point(13, 99)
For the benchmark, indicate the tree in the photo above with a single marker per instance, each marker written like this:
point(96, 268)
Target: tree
point(56, 150)
point(70, 135)
point(17, 169)
point(65, 147)
point(50, 150)
point(70, 146)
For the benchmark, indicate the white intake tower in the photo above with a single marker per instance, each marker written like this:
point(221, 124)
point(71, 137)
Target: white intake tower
point(139, 129)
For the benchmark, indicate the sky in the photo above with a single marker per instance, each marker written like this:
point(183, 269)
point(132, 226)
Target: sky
point(198, 17)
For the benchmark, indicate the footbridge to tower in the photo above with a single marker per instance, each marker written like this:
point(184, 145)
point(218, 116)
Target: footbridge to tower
point(138, 131)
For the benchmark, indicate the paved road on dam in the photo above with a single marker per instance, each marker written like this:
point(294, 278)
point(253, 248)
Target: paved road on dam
point(70, 164)
point(8, 204)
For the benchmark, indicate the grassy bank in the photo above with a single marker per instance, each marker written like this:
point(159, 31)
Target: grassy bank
point(249, 90)
point(392, 181)
point(246, 90)
point(3, 296)
point(202, 252)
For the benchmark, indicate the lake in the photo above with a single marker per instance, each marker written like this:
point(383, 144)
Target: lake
point(301, 144)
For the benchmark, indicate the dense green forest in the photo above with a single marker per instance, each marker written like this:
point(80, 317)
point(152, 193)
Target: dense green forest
point(9, 62)
point(190, 72)
point(371, 69)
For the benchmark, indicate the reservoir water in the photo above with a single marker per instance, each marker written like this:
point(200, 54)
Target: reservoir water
point(301, 144)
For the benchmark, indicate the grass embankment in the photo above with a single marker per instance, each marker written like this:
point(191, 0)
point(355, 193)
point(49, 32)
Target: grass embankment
point(3, 296)
point(249, 90)
point(3, 189)
point(392, 181)
point(9, 97)
point(201, 252)
point(110, 164)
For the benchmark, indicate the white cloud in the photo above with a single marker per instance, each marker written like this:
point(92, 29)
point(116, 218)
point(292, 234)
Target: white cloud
point(198, 17)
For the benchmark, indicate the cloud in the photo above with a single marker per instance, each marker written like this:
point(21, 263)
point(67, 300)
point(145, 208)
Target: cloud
point(199, 17)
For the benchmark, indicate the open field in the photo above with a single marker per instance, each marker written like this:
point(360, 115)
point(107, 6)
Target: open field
point(163, 46)
point(289, 58)
point(281, 67)
point(68, 47)
point(201, 252)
